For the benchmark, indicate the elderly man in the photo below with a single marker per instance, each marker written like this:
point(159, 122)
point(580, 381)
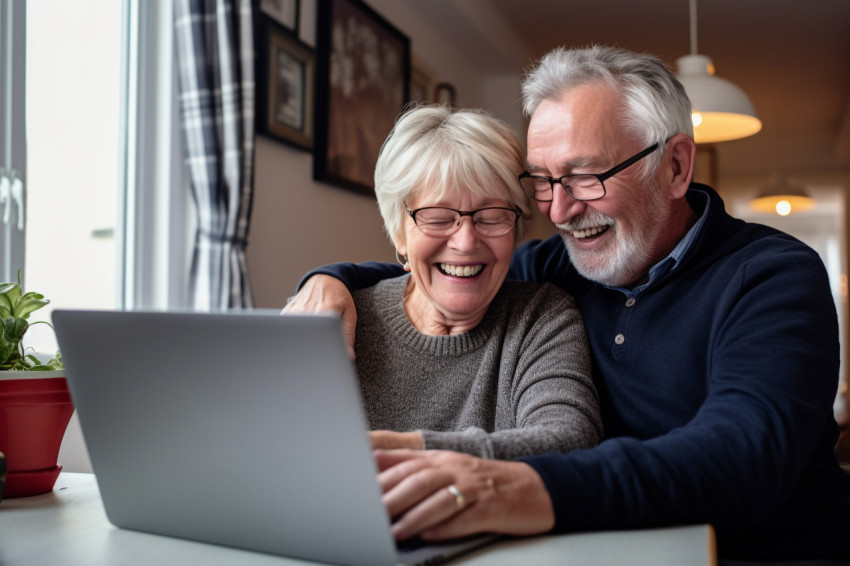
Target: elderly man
point(715, 341)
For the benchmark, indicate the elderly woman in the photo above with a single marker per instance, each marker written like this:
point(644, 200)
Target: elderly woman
point(451, 355)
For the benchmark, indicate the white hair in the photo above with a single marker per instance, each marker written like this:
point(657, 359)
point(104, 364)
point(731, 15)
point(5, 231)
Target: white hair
point(657, 106)
point(445, 151)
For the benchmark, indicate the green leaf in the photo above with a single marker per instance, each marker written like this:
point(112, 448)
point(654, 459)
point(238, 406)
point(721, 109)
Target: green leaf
point(5, 287)
point(32, 360)
point(14, 329)
point(14, 362)
point(29, 303)
point(56, 361)
point(7, 348)
point(10, 294)
point(7, 301)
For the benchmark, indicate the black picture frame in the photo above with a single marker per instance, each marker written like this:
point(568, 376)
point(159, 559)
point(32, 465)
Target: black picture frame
point(284, 12)
point(362, 85)
point(285, 87)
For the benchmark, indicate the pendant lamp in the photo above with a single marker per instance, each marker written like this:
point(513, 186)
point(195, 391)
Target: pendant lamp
point(720, 110)
point(782, 198)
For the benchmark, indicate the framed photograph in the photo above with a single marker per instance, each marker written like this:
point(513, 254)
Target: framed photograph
point(284, 12)
point(285, 77)
point(422, 81)
point(444, 93)
point(362, 85)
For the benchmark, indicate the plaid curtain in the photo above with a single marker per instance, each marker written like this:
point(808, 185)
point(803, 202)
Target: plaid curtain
point(215, 51)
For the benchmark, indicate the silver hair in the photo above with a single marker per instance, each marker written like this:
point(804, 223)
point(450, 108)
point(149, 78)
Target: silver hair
point(445, 151)
point(657, 106)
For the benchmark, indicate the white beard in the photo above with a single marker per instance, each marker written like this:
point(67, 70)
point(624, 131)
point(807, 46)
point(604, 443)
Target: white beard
point(626, 257)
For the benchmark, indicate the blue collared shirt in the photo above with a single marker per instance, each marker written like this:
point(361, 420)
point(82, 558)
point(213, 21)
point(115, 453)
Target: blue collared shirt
point(669, 263)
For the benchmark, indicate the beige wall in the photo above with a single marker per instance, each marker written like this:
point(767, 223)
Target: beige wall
point(298, 223)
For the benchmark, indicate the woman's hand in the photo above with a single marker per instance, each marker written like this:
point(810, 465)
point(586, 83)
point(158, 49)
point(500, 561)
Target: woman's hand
point(488, 495)
point(388, 440)
point(323, 293)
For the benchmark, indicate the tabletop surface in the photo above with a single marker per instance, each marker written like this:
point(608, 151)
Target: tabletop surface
point(69, 527)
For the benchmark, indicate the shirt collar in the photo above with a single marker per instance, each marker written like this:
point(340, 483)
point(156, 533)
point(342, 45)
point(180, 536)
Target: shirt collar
point(672, 260)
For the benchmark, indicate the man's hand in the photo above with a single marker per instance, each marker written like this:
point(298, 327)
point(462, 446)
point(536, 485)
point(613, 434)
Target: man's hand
point(323, 293)
point(493, 496)
point(388, 440)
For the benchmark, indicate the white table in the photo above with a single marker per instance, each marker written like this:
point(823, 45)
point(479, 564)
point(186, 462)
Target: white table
point(69, 527)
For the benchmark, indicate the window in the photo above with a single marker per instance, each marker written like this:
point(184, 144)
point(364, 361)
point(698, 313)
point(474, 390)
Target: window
point(73, 131)
point(100, 157)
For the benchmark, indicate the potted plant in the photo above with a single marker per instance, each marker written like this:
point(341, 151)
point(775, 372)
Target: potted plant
point(35, 405)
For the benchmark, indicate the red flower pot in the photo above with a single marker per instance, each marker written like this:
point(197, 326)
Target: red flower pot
point(35, 408)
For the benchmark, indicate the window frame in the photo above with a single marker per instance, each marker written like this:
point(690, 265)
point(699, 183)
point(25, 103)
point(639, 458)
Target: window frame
point(156, 224)
point(153, 225)
point(13, 151)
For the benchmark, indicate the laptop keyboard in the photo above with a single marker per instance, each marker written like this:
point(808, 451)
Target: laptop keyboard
point(410, 544)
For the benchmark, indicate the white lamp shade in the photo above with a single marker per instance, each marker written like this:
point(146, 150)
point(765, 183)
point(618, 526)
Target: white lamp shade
point(782, 198)
point(725, 112)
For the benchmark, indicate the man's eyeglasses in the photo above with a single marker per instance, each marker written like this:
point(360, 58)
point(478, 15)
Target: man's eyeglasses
point(441, 221)
point(585, 186)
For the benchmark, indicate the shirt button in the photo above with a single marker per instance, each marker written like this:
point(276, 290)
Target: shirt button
point(630, 302)
point(619, 339)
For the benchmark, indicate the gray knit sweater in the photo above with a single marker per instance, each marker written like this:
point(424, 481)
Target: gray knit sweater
point(517, 384)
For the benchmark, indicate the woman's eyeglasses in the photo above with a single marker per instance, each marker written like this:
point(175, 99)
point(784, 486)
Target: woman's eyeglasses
point(441, 221)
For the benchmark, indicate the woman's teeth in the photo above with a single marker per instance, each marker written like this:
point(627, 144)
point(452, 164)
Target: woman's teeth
point(461, 270)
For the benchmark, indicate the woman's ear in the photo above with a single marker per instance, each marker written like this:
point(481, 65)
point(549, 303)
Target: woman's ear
point(679, 164)
point(400, 243)
point(401, 252)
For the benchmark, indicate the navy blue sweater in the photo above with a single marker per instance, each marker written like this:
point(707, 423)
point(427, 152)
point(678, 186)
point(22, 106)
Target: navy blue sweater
point(717, 397)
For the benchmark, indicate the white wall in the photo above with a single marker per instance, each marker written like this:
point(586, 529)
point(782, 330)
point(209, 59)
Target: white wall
point(298, 223)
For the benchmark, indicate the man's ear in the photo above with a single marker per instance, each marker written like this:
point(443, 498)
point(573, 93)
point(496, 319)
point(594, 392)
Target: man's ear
point(679, 164)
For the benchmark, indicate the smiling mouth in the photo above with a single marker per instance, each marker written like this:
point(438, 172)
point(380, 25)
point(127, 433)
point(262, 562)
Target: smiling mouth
point(461, 270)
point(591, 232)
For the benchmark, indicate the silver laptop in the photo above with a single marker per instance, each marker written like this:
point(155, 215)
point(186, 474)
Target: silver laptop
point(243, 430)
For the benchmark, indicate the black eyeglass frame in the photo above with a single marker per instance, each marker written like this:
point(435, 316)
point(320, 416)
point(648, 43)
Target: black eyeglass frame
point(600, 176)
point(462, 213)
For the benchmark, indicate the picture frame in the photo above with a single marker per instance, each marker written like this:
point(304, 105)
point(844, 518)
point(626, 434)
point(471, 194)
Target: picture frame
point(284, 12)
point(285, 93)
point(423, 81)
point(445, 93)
point(363, 83)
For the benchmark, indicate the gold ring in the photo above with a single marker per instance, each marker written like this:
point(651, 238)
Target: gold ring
point(460, 500)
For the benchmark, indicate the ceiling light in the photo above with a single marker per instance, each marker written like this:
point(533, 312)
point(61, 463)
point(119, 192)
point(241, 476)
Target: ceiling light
point(720, 110)
point(782, 198)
